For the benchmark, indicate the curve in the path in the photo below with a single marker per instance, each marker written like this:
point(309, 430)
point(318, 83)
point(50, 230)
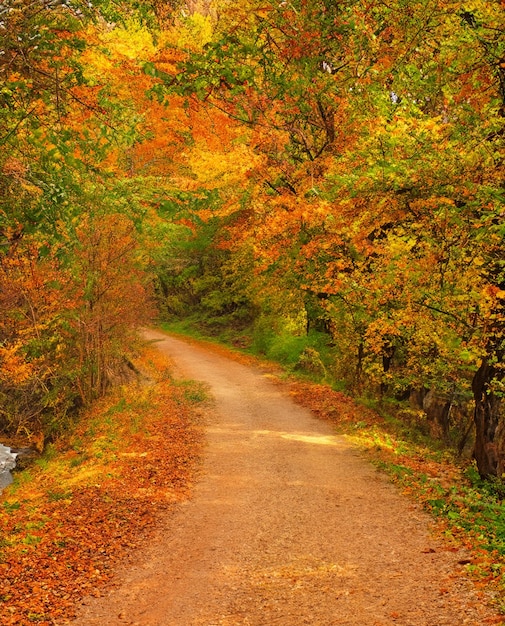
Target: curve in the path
point(287, 526)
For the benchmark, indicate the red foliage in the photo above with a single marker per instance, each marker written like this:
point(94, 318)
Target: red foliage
point(60, 543)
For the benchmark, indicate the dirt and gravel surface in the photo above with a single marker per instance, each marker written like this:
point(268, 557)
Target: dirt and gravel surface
point(288, 526)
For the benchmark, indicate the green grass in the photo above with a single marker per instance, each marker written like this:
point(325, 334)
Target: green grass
point(193, 391)
point(186, 327)
point(470, 510)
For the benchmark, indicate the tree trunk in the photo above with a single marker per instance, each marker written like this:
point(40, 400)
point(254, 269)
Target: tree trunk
point(388, 353)
point(359, 365)
point(487, 420)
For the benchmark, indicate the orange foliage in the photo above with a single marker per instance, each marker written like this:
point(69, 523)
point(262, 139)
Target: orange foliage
point(64, 531)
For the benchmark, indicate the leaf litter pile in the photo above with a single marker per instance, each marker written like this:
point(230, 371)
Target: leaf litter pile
point(69, 518)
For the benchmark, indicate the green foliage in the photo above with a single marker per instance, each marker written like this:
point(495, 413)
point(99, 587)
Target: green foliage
point(278, 340)
point(286, 348)
point(195, 276)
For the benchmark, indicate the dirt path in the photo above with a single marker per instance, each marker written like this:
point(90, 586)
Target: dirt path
point(288, 526)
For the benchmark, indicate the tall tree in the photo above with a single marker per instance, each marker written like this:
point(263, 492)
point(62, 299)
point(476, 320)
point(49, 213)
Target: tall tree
point(63, 128)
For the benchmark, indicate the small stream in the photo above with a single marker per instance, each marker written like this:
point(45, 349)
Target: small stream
point(7, 463)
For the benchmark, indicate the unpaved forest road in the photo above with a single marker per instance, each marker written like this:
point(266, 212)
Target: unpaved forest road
point(287, 526)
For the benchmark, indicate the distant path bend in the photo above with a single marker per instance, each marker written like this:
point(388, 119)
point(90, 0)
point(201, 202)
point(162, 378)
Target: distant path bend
point(288, 526)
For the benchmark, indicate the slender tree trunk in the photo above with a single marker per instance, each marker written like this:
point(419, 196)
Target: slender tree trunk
point(388, 353)
point(359, 365)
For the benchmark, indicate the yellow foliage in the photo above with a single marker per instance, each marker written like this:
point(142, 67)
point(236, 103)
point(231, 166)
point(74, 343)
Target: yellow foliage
point(194, 32)
point(14, 369)
point(131, 41)
point(217, 170)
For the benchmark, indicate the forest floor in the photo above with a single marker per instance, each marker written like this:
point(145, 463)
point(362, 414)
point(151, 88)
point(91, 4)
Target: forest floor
point(288, 525)
point(178, 503)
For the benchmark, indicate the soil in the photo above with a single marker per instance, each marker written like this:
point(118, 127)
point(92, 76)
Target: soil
point(288, 525)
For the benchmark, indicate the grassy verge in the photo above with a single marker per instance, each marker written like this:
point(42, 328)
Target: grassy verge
point(468, 510)
point(96, 494)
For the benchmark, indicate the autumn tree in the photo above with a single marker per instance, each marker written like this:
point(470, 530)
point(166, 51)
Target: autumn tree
point(73, 278)
point(377, 202)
